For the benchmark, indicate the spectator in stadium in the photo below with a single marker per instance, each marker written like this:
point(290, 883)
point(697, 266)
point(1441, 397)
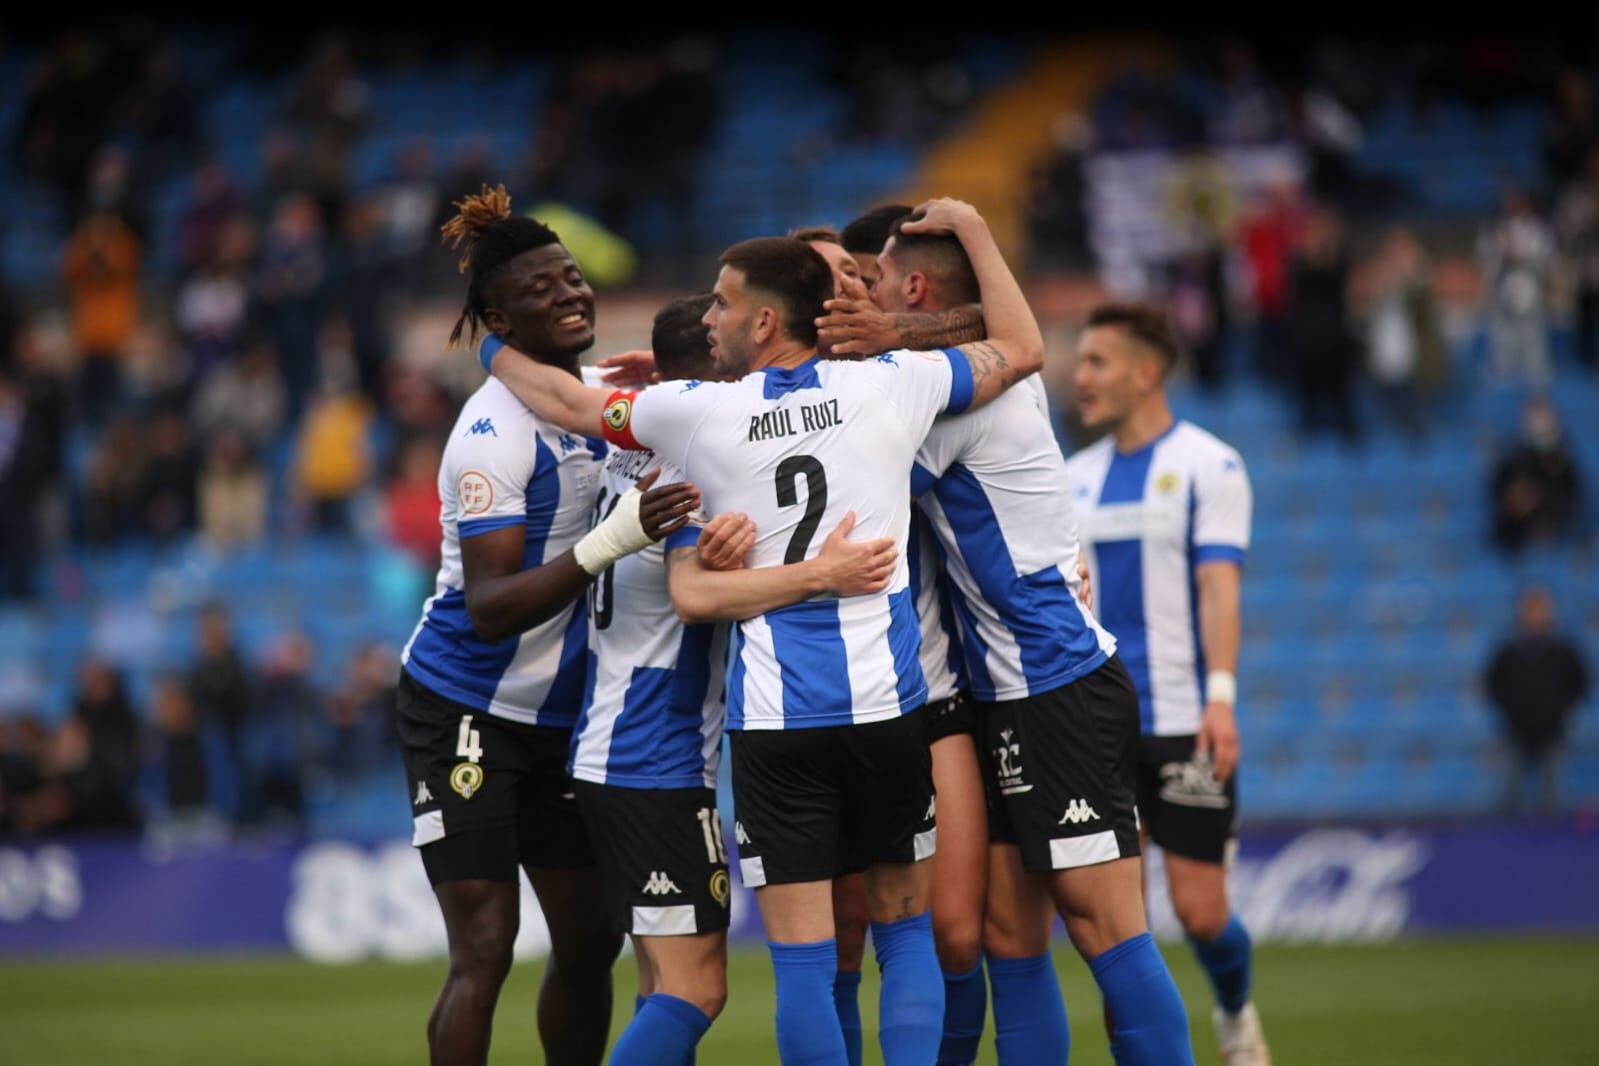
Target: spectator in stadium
point(114, 482)
point(167, 494)
point(213, 302)
point(358, 731)
point(363, 277)
point(333, 462)
point(1578, 224)
point(282, 734)
point(1318, 328)
point(1574, 133)
point(1537, 679)
point(1517, 253)
point(1198, 300)
point(182, 780)
point(288, 287)
point(82, 789)
point(102, 706)
point(1405, 349)
point(21, 484)
point(1057, 197)
point(219, 686)
point(411, 501)
point(1269, 235)
point(233, 492)
point(213, 207)
point(243, 396)
point(23, 740)
point(1536, 487)
point(101, 270)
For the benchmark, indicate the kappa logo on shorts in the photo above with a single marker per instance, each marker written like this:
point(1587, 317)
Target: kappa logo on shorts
point(932, 809)
point(422, 794)
point(1010, 767)
point(661, 885)
point(466, 779)
point(720, 890)
point(739, 835)
point(1191, 784)
point(1078, 812)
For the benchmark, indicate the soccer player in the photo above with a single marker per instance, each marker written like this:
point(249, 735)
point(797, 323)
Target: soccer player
point(829, 758)
point(647, 744)
point(1164, 510)
point(493, 675)
point(1057, 712)
point(864, 238)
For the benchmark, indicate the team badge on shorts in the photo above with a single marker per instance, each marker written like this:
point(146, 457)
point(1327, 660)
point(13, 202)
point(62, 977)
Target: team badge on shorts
point(466, 779)
point(719, 887)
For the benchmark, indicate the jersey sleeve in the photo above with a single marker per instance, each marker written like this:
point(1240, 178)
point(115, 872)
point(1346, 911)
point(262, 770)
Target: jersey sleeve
point(924, 385)
point(662, 418)
point(1223, 502)
point(488, 472)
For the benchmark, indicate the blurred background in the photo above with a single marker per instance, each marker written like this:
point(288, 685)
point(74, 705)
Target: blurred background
point(224, 388)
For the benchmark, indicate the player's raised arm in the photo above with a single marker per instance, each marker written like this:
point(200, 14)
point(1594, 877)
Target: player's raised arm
point(859, 327)
point(1015, 345)
point(549, 392)
point(842, 568)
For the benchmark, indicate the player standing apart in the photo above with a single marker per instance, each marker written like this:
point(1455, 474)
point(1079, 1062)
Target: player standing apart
point(1164, 509)
point(493, 675)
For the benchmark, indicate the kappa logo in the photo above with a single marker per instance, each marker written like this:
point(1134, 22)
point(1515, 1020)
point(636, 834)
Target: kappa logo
point(1077, 812)
point(887, 357)
point(1192, 784)
point(422, 794)
point(738, 833)
point(690, 386)
point(1009, 770)
point(660, 885)
point(569, 443)
point(932, 809)
point(483, 427)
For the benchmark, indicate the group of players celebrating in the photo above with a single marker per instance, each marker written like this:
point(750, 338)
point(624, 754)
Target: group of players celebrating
point(826, 513)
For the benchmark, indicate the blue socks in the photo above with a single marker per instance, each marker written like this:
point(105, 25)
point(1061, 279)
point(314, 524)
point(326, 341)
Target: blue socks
point(662, 1033)
point(911, 1007)
point(1029, 1011)
point(1227, 962)
point(808, 1031)
point(965, 1010)
point(847, 1001)
point(1150, 1023)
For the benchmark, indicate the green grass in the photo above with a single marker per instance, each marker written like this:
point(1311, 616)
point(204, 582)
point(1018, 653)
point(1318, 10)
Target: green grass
point(1449, 1003)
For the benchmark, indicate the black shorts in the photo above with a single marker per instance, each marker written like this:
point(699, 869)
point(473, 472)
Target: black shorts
point(1187, 811)
point(1060, 771)
point(951, 717)
point(487, 794)
point(816, 803)
point(662, 858)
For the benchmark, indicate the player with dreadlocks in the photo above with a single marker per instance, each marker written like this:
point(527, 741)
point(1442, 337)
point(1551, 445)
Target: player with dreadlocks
point(493, 675)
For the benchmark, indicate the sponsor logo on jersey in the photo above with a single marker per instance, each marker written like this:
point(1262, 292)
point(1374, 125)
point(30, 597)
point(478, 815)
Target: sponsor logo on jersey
point(721, 891)
point(1009, 770)
point(1192, 784)
point(466, 779)
point(618, 412)
point(475, 493)
point(422, 794)
point(661, 885)
point(483, 427)
point(1077, 812)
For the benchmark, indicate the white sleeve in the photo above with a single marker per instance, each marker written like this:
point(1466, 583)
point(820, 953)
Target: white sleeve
point(488, 474)
point(1222, 505)
point(946, 442)
point(923, 385)
point(662, 418)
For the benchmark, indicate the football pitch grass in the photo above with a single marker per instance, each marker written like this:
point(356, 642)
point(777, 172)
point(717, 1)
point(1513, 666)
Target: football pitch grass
point(1449, 1003)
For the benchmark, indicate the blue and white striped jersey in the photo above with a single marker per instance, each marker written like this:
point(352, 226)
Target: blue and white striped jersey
point(796, 449)
point(935, 611)
point(652, 711)
point(1147, 518)
point(993, 485)
point(503, 467)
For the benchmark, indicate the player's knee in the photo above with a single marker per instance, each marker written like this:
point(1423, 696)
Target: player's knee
point(960, 944)
point(588, 959)
point(850, 933)
point(481, 952)
point(1203, 915)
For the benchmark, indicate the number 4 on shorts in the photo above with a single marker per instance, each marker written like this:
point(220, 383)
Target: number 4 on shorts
point(467, 745)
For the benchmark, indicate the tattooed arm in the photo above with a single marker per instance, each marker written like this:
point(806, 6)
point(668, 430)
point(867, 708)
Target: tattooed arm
point(1014, 348)
point(857, 327)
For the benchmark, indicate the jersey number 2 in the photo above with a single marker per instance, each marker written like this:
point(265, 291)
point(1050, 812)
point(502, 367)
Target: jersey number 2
point(788, 475)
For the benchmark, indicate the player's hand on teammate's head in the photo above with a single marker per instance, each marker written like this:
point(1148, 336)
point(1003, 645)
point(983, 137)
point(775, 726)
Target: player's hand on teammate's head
point(856, 568)
point(856, 327)
point(726, 540)
point(943, 215)
point(630, 370)
point(666, 508)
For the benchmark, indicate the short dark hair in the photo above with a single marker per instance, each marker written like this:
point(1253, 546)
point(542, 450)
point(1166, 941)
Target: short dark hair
point(1145, 322)
point(680, 340)
point(869, 233)
point(816, 233)
point(941, 257)
point(791, 271)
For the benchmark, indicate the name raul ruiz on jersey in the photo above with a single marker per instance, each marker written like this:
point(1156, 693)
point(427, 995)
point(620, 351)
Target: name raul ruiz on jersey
point(780, 423)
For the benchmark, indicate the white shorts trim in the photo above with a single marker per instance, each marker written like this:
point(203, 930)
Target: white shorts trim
point(1067, 852)
point(664, 921)
point(426, 828)
point(924, 844)
point(752, 872)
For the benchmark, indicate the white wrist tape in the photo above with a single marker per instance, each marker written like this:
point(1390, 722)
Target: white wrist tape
point(622, 533)
point(1221, 687)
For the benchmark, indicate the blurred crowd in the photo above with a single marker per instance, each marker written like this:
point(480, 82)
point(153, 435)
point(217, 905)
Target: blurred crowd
point(226, 742)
